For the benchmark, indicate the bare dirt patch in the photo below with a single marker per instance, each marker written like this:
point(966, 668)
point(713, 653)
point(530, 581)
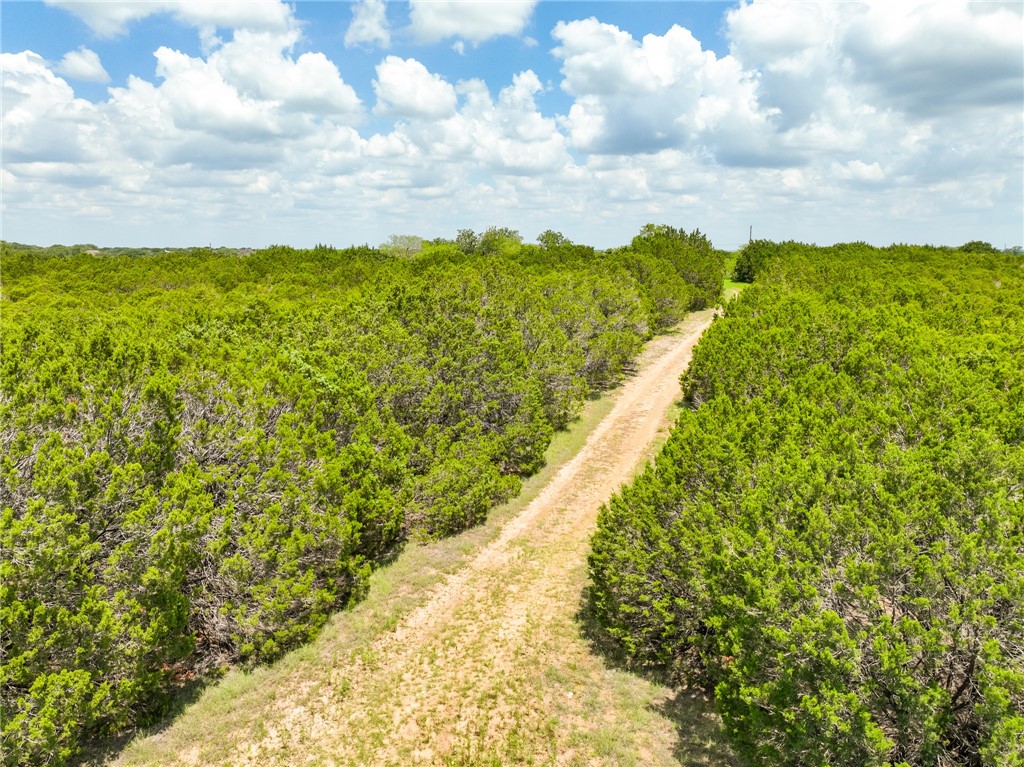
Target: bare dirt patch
point(491, 666)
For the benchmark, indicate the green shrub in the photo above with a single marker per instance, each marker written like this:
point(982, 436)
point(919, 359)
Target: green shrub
point(832, 540)
point(204, 455)
point(753, 258)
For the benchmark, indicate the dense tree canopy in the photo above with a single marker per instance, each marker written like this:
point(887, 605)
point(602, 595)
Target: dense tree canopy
point(203, 455)
point(832, 539)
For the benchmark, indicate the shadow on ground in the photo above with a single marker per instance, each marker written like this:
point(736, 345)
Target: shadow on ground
point(700, 736)
point(103, 751)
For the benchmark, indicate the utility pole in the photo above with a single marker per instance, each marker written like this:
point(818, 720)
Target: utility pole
point(750, 237)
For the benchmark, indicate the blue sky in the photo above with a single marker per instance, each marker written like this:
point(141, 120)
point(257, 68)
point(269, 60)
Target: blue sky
point(51, 31)
point(246, 123)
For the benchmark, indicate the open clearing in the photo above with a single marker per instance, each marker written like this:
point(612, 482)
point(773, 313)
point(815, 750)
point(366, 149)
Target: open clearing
point(471, 650)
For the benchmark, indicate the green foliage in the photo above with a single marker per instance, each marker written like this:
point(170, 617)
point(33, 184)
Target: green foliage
point(549, 239)
point(753, 258)
point(467, 241)
point(499, 241)
point(978, 246)
point(206, 454)
point(403, 245)
point(832, 539)
point(690, 255)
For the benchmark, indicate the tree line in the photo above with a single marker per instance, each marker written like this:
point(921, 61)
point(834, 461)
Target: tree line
point(203, 455)
point(832, 539)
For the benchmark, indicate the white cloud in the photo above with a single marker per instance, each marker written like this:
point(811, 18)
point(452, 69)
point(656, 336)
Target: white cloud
point(83, 64)
point(600, 59)
point(664, 91)
point(263, 15)
point(472, 20)
point(230, 108)
point(931, 58)
point(508, 136)
point(41, 116)
point(369, 24)
point(792, 47)
point(254, 63)
point(922, 90)
point(855, 170)
point(805, 83)
point(405, 88)
point(921, 58)
point(512, 136)
point(111, 17)
point(198, 98)
point(246, 105)
point(108, 18)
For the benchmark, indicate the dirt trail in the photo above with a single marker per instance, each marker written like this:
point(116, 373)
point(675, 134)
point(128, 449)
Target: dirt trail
point(491, 668)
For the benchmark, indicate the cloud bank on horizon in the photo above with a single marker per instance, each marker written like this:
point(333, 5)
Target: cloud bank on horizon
point(824, 122)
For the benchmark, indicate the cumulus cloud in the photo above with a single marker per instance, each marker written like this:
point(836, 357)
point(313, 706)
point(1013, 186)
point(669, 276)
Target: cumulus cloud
point(921, 58)
point(369, 24)
point(405, 88)
point(919, 89)
point(255, 64)
point(472, 20)
point(791, 46)
point(232, 108)
point(856, 170)
point(42, 119)
point(508, 136)
point(108, 18)
point(198, 98)
point(661, 92)
point(511, 136)
point(83, 64)
point(938, 58)
point(803, 83)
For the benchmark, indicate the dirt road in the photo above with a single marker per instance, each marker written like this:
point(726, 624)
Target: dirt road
point(492, 667)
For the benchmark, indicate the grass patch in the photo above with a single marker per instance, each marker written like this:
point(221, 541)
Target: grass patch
point(731, 290)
